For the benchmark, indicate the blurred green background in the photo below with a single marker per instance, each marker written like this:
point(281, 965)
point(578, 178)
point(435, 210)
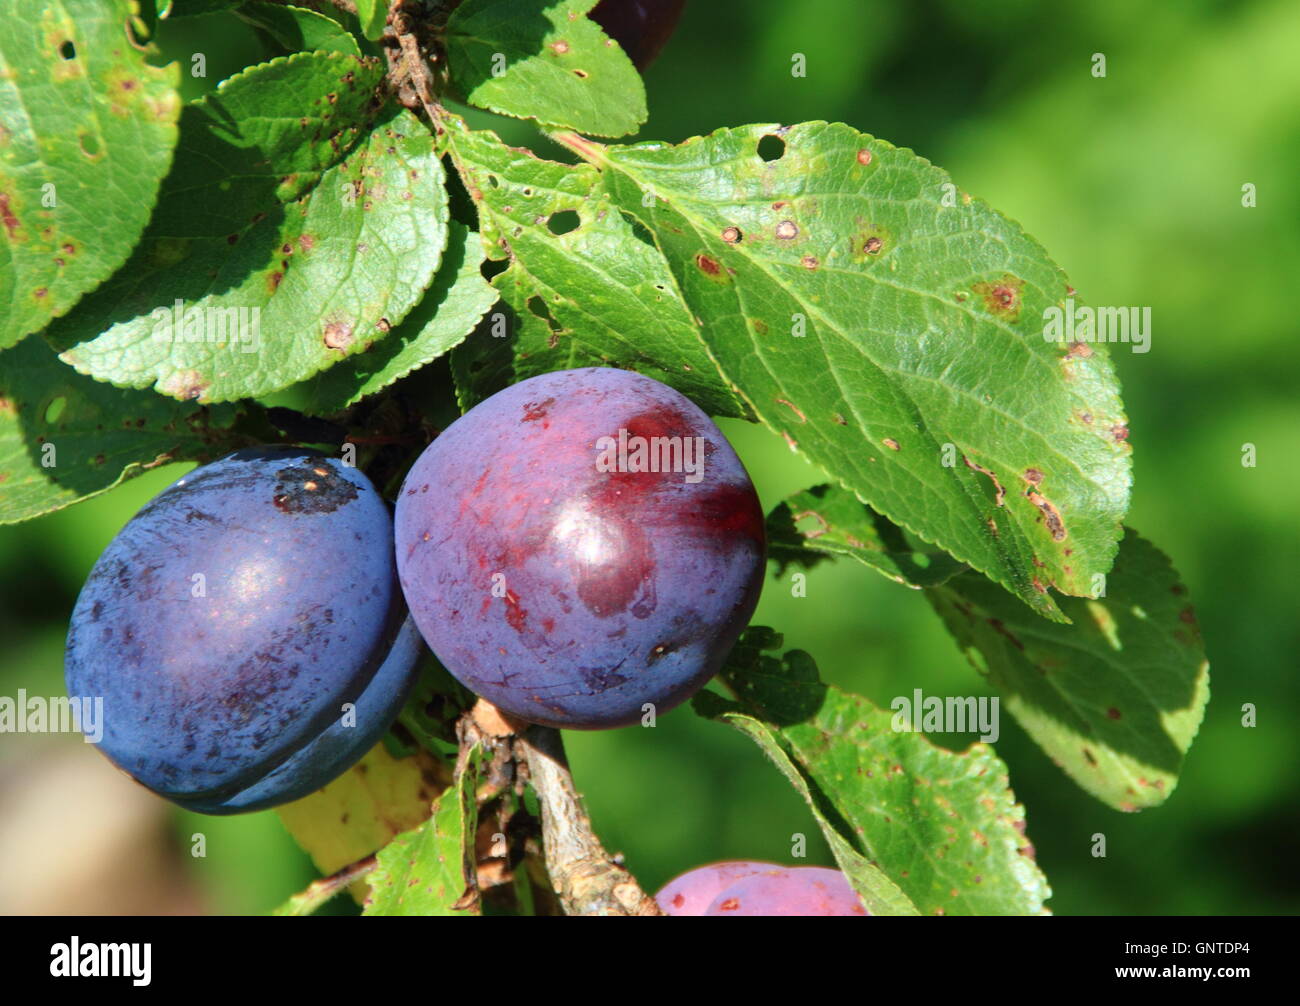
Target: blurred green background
point(1133, 182)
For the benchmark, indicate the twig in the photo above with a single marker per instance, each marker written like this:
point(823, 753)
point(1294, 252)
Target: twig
point(584, 875)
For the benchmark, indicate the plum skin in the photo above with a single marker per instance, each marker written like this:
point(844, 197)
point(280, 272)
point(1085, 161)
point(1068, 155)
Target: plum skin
point(565, 595)
point(640, 27)
point(233, 700)
point(743, 888)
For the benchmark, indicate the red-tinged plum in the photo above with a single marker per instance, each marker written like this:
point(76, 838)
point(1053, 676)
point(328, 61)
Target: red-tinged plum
point(640, 27)
point(694, 890)
point(579, 545)
point(795, 890)
point(246, 632)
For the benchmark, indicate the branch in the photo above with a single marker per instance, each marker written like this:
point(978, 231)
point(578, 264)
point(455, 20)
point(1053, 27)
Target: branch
point(584, 875)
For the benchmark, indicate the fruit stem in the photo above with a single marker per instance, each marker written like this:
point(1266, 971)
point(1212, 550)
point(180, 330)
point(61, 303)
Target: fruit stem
point(585, 876)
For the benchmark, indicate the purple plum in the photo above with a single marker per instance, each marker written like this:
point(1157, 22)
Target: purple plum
point(581, 545)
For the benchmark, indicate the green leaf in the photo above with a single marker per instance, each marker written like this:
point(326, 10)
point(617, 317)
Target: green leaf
point(944, 827)
point(294, 230)
point(596, 294)
point(299, 29)
point(365, 808)
point(895, 339)
point(65, 438)
point(372, 14)
point(87, 129)
point(544, 60)
point(825, 522)
point(429, 870)
point(1115, 698)
point(451, 307)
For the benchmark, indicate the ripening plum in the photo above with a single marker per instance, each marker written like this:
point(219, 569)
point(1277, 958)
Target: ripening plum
point(741, 887)
point(246, 632)
point(793, 890)
point(640, 27)
point(694, 890)
point(579, 545)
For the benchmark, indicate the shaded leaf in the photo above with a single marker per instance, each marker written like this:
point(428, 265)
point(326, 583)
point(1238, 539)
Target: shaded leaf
point(65, 437)
point(592, 294)
point(372, 14)
point(87, 129)
point(299, 29)
point(430, 870)
point(544, 60)
point(293, 218)
point(944, 827)
point(826, 521)
point(1115, 698)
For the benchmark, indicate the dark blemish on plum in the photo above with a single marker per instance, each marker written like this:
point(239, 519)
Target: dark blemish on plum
point(534, 411)
point(678, 901)
point(516, 616)
point(600, 679)
point(730, 905)
point(312, 487)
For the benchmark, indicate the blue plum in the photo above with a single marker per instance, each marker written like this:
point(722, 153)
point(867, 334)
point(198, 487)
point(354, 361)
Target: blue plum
point(747, 888)
point(581, 544)
point(246, 632)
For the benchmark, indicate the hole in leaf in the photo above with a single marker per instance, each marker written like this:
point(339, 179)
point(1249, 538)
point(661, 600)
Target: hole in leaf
point(55, 409)
point(492, 180)
point(538, 307)
point(563, 221)
point(68, 51)
point(581, 73)
point(493, 267)
point(639, 230)
point(771, 148)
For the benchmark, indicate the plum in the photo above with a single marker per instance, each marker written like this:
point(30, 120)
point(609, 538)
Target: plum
point(640, 27)
point(741, 887)
point(246, 632)
point(793, 890)
point(693, 891)
point(579, 545)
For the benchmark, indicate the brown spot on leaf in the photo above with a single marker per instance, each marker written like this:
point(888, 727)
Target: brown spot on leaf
point(864, 156)
point(891, 443)
point(1113, 713)
point(338, 335)
point(731, 235)
point(1119, 431)
point(787, 230)
point(809, 262)
point(708, 265)
point(560, 47)
point(793, 408)
point(999, 493)
point(1051, 515)
point(1002, 298)
point(872, 245)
